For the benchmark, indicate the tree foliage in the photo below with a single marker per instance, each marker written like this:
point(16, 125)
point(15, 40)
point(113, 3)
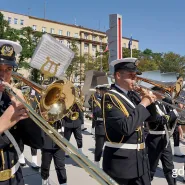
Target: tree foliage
point(149, 60)
point(6, 32)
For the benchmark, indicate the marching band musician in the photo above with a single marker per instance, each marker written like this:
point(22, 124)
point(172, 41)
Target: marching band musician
point(34, 163)
point(94, 97)
point(125, 158)
point(157, 141)
point(51, 150)
point(99, 128)
point(176, 135)
point(74, 126)
point(10, 171)
point(82, 101)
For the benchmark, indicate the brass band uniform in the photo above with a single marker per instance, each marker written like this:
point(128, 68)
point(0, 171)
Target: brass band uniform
point(94, 97)
point(156, 141)
point(125, 158)
point(74, 126)
point(51, 151)
point(26, 130)
point(99, 127)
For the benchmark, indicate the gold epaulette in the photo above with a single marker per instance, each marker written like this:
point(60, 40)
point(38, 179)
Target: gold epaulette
point(96, 102)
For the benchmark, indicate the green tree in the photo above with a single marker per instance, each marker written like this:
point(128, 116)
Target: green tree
point(147, 65)
point(6, 32)
point(173, 62)
point(75, 68)
point(29, 40)
point(127, 53)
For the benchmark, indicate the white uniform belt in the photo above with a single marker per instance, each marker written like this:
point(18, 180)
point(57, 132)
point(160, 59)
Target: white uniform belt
point(125, 145)
point(99, 119)
point(15, 168)
point(59, 130)
point(157, 132)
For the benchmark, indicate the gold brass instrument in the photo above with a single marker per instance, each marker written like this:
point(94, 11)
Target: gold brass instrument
point(56, 90)
point(174, 90)
point(56, 99)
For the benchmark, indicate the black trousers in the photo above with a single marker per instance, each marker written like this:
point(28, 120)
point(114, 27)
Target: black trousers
point(99, 142)
point(59, 160)
point(176, 136)
point(93, 123)
point(156, 146)
point(77, 134)
point(143, 180)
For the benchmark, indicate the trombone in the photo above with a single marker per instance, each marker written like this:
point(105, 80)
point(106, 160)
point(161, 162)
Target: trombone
point(98, 174)
point(173, 89)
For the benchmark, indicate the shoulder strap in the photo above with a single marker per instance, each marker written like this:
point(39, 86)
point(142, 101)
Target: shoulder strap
point(13, 141)
point(97, 102)
point(159, 110)
point(124, 97)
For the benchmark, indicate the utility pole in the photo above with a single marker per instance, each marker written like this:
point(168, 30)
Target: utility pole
point(29, 11)
point(44, 9)
point(101, 57)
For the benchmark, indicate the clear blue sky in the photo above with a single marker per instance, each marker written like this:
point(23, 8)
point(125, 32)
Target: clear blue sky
point(158, 24)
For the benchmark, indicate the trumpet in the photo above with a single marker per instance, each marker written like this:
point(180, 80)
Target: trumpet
point(64, 144)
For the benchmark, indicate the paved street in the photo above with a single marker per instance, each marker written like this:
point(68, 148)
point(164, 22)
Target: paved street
point(76, 175)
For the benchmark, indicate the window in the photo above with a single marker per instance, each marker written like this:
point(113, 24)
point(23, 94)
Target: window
point(21, 22)
point(15, 20)
point(68, 44)
point(60, 32)
point(76, 35)
point(124, 45)
point(85, 47)
point(101, 39)
point(52, 31)
point(9, 20)
point(68, 33)
point(85, 36)
point(43, 29)
point(94, 38)
point(34, 27)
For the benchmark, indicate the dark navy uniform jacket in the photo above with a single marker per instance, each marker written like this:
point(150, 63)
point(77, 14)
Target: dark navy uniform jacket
point(98, 117)
point(156, 124)
point(67, 122)
point(25, 130)
point(119, 162)
point(49, 144)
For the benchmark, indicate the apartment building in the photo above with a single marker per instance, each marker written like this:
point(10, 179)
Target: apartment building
point(88, 40)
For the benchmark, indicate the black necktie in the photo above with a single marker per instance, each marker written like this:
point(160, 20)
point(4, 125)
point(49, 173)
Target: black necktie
point(131, 97)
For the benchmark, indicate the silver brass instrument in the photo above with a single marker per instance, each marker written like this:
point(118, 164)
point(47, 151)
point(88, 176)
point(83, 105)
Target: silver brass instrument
point(54, 97)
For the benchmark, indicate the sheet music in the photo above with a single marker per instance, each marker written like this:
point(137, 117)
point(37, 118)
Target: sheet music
point(56, 51)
